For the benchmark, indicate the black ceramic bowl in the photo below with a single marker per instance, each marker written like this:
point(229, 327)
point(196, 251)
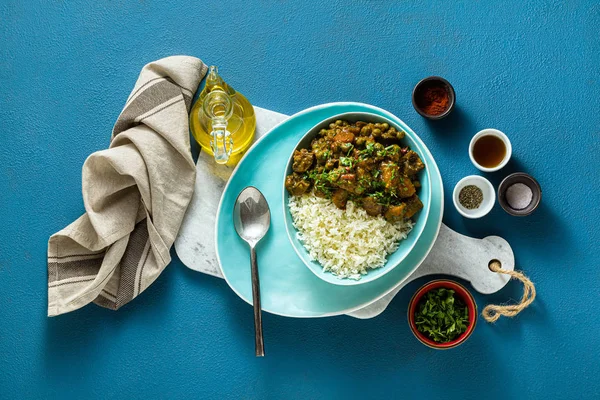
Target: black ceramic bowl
point(526, 179)
point(433, 81)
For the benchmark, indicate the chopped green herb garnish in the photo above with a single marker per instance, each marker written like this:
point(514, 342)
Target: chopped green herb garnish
point(382, 198)
point(382, 153)
point(349, 150)
point(441, 316)
point(369, 149)
point(322, 181)
point(346, 161)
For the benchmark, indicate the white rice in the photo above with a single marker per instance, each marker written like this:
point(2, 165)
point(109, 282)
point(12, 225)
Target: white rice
point(347, 243)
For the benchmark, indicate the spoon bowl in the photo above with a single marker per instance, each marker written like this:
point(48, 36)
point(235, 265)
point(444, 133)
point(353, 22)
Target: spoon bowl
point(251, 215)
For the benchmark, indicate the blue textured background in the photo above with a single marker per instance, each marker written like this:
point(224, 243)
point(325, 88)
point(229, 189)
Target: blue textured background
point(527, 68)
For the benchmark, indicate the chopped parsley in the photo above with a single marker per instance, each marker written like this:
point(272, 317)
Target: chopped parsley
point(351, 147)
point(441, 316)
point(384, 198)
point(368, 150)
point(389, 151)
point(323, 181)
point(347, 161)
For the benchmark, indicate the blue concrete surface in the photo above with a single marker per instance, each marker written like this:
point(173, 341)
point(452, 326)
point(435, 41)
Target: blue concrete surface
point(529, 68)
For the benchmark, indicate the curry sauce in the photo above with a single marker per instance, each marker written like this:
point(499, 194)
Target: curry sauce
point(361, 162)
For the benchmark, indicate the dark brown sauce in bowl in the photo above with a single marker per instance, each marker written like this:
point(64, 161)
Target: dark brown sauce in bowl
point(489, 151)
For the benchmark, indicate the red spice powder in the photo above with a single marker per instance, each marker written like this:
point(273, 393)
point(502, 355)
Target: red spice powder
point(433, 100)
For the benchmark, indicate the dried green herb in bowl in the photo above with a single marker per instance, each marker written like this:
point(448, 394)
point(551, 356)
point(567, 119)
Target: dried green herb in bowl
point(470, 197)
point(441, 315)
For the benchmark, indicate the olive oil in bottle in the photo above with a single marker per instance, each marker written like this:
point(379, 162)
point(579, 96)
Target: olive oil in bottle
point(222, 120)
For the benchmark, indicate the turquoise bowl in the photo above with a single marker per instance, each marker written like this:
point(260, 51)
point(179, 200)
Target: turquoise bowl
point(393, 259)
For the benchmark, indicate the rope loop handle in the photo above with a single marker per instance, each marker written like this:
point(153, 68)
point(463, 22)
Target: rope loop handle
point(492, 312)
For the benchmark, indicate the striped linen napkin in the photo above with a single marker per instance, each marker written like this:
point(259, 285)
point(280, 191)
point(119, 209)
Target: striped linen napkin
point(135, 195)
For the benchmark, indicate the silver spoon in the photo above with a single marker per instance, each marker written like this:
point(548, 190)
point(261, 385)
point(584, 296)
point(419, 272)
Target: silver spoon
point(252, 218)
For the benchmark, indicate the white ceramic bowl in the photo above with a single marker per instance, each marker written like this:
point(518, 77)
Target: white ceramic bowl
point(489, 196)
point(501, 136)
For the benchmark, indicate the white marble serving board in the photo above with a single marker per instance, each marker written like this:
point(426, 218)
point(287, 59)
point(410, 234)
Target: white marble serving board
point(452, 254)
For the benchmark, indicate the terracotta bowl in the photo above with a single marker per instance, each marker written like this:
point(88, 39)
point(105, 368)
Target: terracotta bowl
point(462, 293)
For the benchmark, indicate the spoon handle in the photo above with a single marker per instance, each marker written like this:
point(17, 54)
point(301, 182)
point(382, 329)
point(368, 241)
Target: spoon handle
point(258, 334)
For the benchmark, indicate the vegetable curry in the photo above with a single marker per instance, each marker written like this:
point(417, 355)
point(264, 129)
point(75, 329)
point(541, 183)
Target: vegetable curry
point(361, 162)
